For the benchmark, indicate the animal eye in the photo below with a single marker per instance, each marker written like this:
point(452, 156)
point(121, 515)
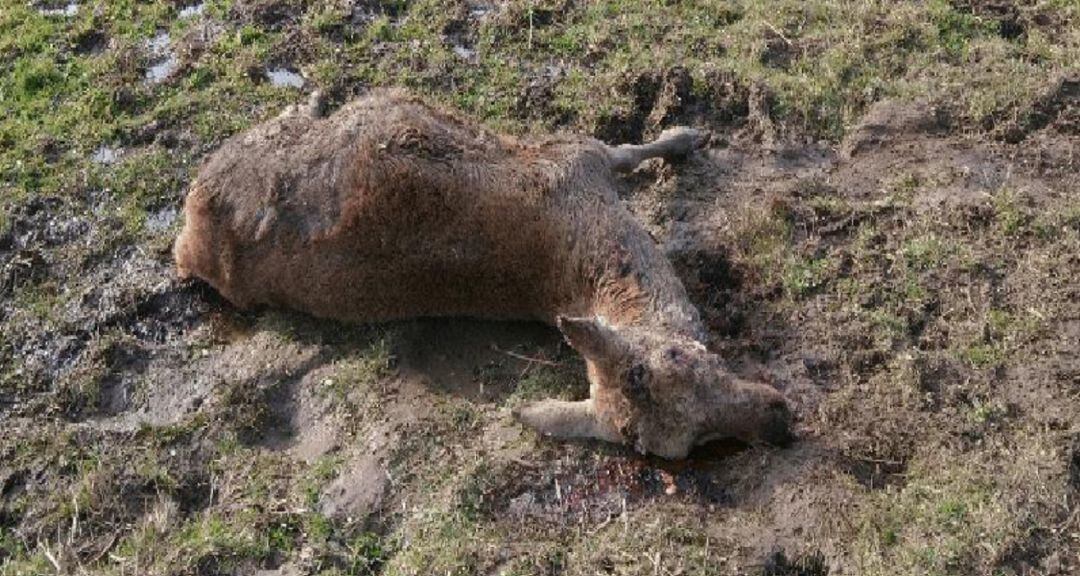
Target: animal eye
point(636, 386)
point(673, 354)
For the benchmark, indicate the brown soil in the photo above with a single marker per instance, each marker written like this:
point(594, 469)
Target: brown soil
point(913, 292)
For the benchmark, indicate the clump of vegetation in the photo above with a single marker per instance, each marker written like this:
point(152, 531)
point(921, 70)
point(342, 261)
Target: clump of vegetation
point(926, 338)
point(934, 521)
point(561, 381)
point(358, 374)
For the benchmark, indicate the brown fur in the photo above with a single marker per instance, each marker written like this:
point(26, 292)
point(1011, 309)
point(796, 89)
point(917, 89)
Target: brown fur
point(389, 209)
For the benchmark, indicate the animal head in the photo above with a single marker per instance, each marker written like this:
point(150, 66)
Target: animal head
point(662, 394)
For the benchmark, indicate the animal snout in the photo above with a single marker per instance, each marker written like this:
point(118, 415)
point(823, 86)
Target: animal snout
point(776, 424)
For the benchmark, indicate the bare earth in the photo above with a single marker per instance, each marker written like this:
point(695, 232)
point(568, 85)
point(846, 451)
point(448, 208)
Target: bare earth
point(913, 289)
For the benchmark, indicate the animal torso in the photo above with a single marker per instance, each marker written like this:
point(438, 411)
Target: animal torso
point(390, 209)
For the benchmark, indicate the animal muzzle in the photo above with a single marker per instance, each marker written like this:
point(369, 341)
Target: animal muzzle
point(775, 424)
point(759, 414)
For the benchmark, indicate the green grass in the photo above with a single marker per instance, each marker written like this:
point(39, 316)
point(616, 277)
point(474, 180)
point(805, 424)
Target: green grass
point(1010, 214)
point(924, 252)
point(802, 276)
point(15, 560)
point(442, 534)
point(358, 378)
point(934, 523)
point(59, 104)
point(983, 412)
point(549, 382)
point(843, 58)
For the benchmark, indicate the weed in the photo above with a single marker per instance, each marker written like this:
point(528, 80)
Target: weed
point(318, 474)
point(982, 355)
point(42, 300)
point(956, 30)
point(217, 538)
point(760, 237)
point(547, 382)
point(367, 554)
point(895, 326)
point(317, 528)
point(357, 376)
point(802, 276)
point(1009, 213)
point(924, 252)
point(903, 189)
point(983, 412)
point(928, 525)
point(999, 320)
point(15, 560)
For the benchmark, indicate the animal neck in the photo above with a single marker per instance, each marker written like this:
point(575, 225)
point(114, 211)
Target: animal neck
point(634, 284)
point(608, 265)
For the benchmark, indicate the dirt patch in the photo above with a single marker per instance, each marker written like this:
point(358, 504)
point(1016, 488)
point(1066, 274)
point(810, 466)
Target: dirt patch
point(778, 564)
point(537, 99)
point(603, 489)
point(1057, 107)
point(1060, 106)
point(889, 123)
point(477, 360)
point(91, 42)
point(628, 126)
point(909, 293)
point(358, 492)
point(270, 14)
point(778, 51)
point(1074, 465)
point(668, 98)
point(1011, 24)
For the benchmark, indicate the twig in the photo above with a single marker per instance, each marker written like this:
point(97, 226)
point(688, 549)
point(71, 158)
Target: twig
point(1064, 525)
point(655, 559)
point(778, 32)
point(104, 551)
point(74, 520)
point(877, 460)
point(52, 559)
point(523, 357)
point(524, 371)
point(603, 524)
point(625, 517)
point(524, 463)
point(530, 26)
point(213, 486)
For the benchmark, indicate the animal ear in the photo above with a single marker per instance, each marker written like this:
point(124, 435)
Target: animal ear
point(592, 339)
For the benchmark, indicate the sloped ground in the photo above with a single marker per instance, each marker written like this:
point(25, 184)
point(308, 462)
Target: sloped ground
point(884, 225)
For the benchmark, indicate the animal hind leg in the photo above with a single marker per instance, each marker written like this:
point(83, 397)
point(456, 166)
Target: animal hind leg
point(672, 143)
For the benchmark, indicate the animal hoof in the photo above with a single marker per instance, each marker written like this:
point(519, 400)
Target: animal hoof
point(683, 139)
point(528, 414)
point(777, 429)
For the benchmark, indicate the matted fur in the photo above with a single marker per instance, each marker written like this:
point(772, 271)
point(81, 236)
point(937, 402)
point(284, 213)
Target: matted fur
point(391, 209)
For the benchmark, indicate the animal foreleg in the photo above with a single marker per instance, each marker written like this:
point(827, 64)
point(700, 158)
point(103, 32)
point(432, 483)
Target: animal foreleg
point(561, 419)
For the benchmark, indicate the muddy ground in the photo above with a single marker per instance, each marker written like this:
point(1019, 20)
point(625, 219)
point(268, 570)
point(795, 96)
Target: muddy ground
point(909, 279)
